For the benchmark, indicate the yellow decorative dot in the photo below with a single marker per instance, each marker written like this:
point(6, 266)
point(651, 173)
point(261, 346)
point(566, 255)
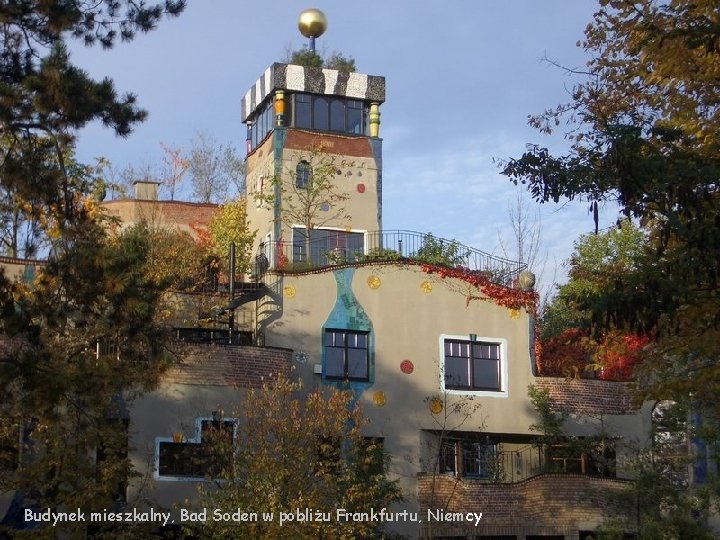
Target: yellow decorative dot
point(373, 282)
point(436, 405)
point(289, 291)
point(514, 313)
point(379, 398)
point(426, 287)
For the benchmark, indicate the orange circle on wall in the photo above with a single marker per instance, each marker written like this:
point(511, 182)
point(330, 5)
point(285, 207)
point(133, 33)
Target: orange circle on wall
point(436, 405)
point(361, 188)
point(407, 367)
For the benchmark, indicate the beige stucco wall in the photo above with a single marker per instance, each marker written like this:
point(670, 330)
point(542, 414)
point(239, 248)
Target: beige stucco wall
point(410, 310)
point(408, 323)
point(20, 269)
point(259, 173)
point(171, 408)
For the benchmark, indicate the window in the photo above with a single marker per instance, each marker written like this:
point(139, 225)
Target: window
point(327, 246)
point(303, 175)
point(303, 111)
point(262, 123)
point(346, 355)
point(323, 113)
point(207, 455)
point(472, 365)
point(468, 457)
point(337, 115)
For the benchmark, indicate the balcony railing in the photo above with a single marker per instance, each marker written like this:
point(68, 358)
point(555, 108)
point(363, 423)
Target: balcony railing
point(340, 248)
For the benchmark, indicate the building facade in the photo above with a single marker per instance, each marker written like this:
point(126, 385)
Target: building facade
point(439, 356)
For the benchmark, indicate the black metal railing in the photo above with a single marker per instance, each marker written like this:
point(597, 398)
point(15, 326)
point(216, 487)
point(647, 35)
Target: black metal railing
point(340, 248)
point(518, 465)
point(219, 336)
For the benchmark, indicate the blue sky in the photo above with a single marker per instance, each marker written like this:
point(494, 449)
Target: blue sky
point(462, 77)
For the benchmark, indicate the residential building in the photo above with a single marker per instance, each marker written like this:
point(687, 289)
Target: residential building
point(436, 340)
point(440, 358)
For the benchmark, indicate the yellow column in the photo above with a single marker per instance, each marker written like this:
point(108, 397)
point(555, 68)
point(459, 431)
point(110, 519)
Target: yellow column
point(374, 119)
point(279, 108)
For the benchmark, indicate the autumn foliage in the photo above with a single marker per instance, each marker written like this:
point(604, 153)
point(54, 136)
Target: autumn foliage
point(573, 353)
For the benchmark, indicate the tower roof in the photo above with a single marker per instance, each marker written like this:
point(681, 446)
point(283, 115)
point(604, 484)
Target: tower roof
point(315, 81)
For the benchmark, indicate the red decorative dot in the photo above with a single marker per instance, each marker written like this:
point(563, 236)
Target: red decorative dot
point(361, 188)
point(406, 366)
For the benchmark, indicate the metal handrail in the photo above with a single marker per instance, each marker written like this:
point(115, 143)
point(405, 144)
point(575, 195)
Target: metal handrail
point(341, 248)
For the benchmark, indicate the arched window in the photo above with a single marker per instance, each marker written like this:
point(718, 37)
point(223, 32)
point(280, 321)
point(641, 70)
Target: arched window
point(303, 175)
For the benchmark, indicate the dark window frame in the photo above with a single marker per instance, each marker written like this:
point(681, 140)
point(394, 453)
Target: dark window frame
point(346, 375)
point(324, 242)
point(327, 113)
point(468, 457)
point(471, 367)
point(303, 175)
point(192, 459)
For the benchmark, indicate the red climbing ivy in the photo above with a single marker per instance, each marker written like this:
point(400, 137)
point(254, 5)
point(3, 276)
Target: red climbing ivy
point(500, 294)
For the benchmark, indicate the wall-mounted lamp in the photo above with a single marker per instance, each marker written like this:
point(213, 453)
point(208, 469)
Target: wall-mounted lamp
point(473, 337)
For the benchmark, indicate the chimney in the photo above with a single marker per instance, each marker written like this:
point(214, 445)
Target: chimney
point(146, 190)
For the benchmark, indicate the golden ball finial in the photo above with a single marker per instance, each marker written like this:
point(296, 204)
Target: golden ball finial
point(312, 23)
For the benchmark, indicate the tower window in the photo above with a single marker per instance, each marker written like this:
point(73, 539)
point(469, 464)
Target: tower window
point(337, 115)
point(303, 111)
point(303, 175)
point(321, 113)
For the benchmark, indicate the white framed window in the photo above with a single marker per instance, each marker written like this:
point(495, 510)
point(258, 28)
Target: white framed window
point(193, 459)
point(474, 365)
point(327, 245)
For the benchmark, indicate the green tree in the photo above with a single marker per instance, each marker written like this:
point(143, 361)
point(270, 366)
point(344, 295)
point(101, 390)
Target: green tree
point(305, 57)
point(643, 133)
point(309, 194)
point(63, 391)
point(229, 225)
point(310, 58)
point(598, 263)
point(441, 252)
point(84, 339)
point(45, 99)
point(340, 62)
point(294, 452)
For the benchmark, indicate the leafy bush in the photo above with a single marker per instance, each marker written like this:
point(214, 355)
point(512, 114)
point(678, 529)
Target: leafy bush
point(441, 252)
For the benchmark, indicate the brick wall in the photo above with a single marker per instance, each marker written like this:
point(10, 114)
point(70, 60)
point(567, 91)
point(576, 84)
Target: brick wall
point(331, 144)
point(545, 504)
point(185, 216)
point(582, 396)
point(218, 365)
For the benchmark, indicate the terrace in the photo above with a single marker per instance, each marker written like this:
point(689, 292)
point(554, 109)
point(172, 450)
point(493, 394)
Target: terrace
point(324, 248)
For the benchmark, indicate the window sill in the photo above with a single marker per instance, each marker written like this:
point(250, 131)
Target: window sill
point(476, 393)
